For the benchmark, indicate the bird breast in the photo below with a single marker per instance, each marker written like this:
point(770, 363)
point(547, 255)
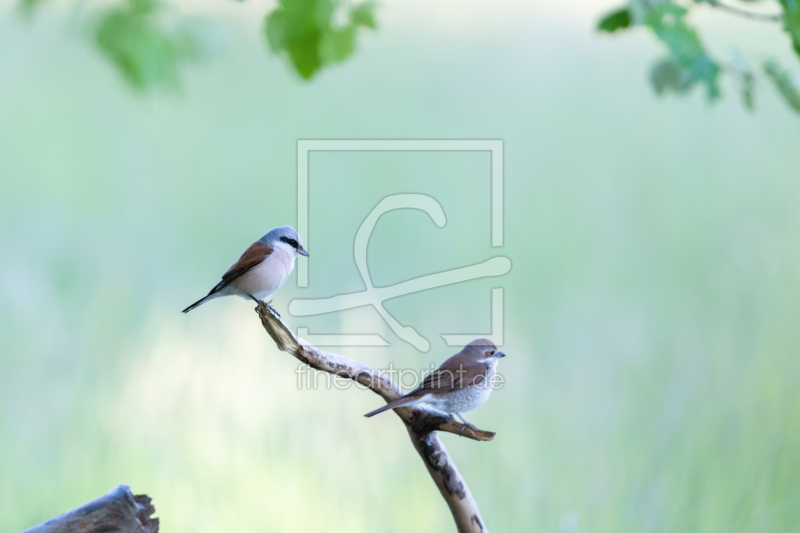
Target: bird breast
point(463, 400)
point(264, 279)
point(467, 399)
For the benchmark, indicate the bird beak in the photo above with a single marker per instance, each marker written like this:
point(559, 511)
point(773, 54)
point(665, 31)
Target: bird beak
point(302, 251)
point(499, 355)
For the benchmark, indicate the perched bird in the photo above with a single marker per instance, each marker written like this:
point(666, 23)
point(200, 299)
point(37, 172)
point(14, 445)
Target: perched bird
point(460, 384)
point(262, 269)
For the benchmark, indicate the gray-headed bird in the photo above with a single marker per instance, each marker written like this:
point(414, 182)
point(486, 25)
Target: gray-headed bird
point(262, 269)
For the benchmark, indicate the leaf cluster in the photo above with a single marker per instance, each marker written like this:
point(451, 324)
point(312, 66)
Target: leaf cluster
point(149, 42)
point(688, 64)
point(308, 33)
point(147, 46)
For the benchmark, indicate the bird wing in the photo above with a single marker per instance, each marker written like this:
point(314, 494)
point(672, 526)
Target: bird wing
point(454, 374)
point(255, 254)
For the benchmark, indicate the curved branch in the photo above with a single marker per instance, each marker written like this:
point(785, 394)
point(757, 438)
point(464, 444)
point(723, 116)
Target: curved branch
point(420, 423)
point(451, 485)
point(420, 420)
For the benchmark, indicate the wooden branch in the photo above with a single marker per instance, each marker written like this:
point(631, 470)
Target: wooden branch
point(119, 511)
point(452, 486)
point(420, 423)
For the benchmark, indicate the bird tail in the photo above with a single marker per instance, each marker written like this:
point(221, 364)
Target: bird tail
point(400, 402)
point(200, 302)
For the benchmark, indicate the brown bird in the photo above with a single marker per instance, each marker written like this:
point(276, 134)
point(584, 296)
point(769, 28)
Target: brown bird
point(460, 384)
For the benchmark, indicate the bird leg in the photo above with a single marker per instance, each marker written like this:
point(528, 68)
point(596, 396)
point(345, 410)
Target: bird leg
point(272, 309)
point(461, 433)
point(266, 304)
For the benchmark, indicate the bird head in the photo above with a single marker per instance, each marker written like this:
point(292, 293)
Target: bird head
point(482, 351)
point(287, 238)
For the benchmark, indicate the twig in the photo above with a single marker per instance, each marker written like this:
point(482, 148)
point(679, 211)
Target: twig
point(119, 511)
point(420, 423)
point(764, 17)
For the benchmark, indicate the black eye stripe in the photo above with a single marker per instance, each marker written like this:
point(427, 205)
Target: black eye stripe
point(290, 242)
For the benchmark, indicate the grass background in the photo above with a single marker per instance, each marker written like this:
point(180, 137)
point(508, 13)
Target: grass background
point(651, 310)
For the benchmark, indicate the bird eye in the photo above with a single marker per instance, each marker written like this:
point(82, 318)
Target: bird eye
point(491, 352)
point(293, 243)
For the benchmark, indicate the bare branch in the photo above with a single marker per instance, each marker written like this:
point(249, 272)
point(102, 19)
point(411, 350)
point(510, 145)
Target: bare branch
point(119, 511)
point(420, 423)
point(451, 485)
point(420, 420)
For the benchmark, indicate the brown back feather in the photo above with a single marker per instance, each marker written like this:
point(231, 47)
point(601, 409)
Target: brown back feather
point(457, 372)
point(253, 256)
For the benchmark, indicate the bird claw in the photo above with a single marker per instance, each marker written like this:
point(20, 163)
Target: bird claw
point(465, 426)
point(272, 309)
point(259, 303)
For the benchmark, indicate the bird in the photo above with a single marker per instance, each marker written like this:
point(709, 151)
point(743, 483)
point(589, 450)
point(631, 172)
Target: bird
point(462, 383)
point(261, 270)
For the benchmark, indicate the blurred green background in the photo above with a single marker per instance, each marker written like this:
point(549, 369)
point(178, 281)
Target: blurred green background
point(651, 312)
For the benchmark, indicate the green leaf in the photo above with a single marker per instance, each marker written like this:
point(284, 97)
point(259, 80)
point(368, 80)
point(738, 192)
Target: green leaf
point(295, 27)
point(791, 22)
point(304, 30)
point(686, 51)
point(614, 21)
point(748, 87)
point(364, 15)
point(147, 51)
point(667, 21)
point(277, 30)
point(665, 76)
point(786, 87)
point(27, 7)
point(669, 76)
point(741, 71)
point(337, 45)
